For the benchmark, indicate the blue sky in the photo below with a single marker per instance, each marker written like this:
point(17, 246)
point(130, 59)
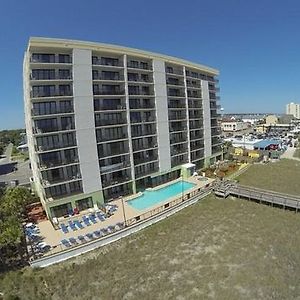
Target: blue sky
point(255, 44)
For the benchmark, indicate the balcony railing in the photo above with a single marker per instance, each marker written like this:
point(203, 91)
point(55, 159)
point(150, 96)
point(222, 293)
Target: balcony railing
point(111, 78)
point(36, 130)
point(115, 180)
point(56, 77)
point(174, 71)
point(107, 62)
point(109, 92)
point(110, 107)
point(143, 120)
point(52, 112)
point(139, 66)
point(141, 106)
point(110, 122)
point(101, 139)
point(139, 79)
point(176, 94)
point(52, 60)
point(114, 167)
point(140, 93)
point(50, 94)
point(194, 85)
point(42, 148)
point(54, 163)
point(177, 128)
point(49, 181)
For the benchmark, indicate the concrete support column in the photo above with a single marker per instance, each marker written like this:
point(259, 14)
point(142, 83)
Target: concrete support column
point(162, 123)
point(84, 120)
point(206, 120)
point(128, 125)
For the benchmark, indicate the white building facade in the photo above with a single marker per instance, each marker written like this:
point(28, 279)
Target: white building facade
point(105, 121)
point(293, 109)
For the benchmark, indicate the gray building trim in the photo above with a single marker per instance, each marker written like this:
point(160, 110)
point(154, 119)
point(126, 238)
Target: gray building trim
point(84, 120)
point(206, 119)
point(161, 100)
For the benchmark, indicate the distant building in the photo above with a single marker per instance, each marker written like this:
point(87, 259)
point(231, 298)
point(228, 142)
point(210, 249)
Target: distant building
point(293, 109)
point(272, 119)
point(233, 125)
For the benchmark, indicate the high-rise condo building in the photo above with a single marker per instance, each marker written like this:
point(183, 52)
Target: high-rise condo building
point(104, 121)
point(293, 109)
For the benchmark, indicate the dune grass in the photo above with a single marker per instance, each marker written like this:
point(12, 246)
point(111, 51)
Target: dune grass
point(216, 249)
point(282, 176)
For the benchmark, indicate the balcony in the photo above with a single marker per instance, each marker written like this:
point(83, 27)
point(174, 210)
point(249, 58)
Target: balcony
point(193, 94)
point(194, 85)
point(179, 150)
point(147, 171)
point(103, 138)
point(103, 122)
point(177, 128)
point(37, 130)
point(108, 78)
point(145, 160)
point(144, 119)
point(174, 81)
point(104, 169)
point(176, 71)
point(41, 94)
point(110, 106)
point(44, 148)
point(114, 180)
point(139, 65)
point(176, 93)
point(139, 79)
point(196, 146)
point(51, 59)
point(178, 140)
point(176, 104)
point(140, 92)
point(179, 160)
point(57, 111)
point(106, 61)
point(51, 181)
point(175, 116)
point(47, 78)
point(195, 115)
point(45, 164)
point(109, 92)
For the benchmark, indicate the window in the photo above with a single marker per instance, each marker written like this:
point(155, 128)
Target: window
point(65, 106)
point(133, 64)
point(67, 123)
point(44, 108)
point(64, 74)
point(43, 90)
point(47, 142)
point(46, 125)
point(42, 74)
point(64, 58)
point(68, 139)
point(64, 90)
point(43, 58)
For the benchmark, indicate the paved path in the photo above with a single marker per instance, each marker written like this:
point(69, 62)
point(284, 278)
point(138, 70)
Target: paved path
point(7, 154)
point(289, 153)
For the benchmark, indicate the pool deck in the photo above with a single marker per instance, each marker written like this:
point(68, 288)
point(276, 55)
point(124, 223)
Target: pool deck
point(53, 236)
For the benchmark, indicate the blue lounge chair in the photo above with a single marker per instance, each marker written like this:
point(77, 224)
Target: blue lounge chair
point(65, 243)
point(81, 238)
point(64, 228)
point(86, 221)
point(97, 233)
point(78, 224)
point(120, 224)
point(111, 228)
point(72, 225)
point(72, 240)
point(90, 236)
point(100, 216)
point(93, 218)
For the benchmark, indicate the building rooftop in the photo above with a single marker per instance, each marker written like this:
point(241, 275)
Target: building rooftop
point(52, 42)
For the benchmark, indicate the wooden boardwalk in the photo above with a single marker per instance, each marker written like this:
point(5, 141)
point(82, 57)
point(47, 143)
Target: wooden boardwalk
point(226, 188)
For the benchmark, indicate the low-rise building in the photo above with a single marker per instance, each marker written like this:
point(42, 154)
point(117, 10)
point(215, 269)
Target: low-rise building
point(233, 125)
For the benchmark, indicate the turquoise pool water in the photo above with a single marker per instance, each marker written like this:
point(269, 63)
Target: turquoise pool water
point(151, 198)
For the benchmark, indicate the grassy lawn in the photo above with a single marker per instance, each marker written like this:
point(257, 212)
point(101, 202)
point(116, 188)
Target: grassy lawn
point(282, 176)
point(297, 153)
point(216, 249)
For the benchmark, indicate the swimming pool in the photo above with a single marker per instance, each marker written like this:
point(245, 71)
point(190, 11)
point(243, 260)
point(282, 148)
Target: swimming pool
point(151, 198)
